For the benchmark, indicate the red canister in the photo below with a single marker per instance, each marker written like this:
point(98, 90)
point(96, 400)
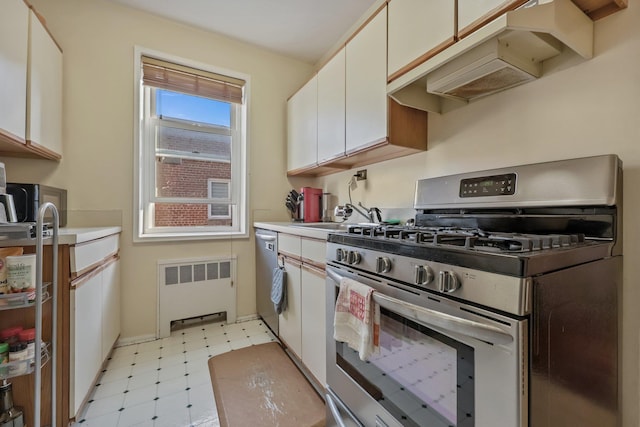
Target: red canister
point(10, 335)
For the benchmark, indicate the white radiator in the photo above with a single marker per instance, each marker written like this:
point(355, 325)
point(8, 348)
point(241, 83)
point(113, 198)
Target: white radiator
point(195, 287)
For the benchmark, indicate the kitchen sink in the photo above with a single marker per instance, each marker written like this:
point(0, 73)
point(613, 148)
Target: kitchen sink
point(337, 226)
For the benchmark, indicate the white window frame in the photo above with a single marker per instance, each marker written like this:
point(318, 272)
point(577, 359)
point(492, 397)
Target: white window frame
point(222, 201)
point(144, 163)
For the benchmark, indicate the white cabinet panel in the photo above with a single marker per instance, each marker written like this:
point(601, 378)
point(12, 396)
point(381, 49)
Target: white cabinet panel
point(417, 27)
point(289, 245)
point(83, 256)
point(314, 327)
point(302, 127)
point(366, 84)
point(290, 326)
point(44, 100)
point(313, 250)
point(86, 338)
point(95, 314)
point(14, 39)
point(472, 10)
point(110, 306)
point(331, 108)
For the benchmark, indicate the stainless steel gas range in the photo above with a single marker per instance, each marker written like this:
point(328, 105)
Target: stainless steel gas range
point(499, 304)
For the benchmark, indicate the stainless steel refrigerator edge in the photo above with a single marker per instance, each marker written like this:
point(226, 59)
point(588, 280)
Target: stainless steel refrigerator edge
point(266, 261)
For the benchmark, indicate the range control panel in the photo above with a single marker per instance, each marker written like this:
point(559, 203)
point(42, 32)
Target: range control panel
point(496, 185)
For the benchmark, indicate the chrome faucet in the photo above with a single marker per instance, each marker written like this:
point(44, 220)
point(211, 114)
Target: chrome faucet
point(371, 214)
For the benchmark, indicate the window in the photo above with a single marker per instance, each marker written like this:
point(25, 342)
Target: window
point(219, 189)
point(191, 150)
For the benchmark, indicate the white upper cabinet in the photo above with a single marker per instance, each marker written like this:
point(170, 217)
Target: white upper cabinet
point(474, 11)
point(366, 85)
point(331, 108)
point(355, 122)
point(418, 29)
point(14, 43)
point(30, 85)
point(302, 127)
point(44, 100)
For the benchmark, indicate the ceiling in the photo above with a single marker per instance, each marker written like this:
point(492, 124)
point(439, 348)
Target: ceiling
point(301, 29)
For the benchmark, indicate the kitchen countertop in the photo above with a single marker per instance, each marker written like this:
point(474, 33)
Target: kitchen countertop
point(72, 236)
point(66, 236)
point(306, 230)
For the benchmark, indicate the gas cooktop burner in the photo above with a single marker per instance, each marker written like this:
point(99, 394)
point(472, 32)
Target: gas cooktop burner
point(468, 238)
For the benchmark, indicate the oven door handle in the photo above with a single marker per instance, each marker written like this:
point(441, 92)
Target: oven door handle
point(428, 317)
point(337, 416)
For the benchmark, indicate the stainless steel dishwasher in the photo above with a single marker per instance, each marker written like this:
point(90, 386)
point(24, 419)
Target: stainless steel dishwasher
point(266, 261)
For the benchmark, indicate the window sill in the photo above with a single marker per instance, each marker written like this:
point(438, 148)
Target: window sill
point(183, 237)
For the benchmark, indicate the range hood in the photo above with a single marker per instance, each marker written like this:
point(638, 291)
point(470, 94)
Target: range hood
point(507, 52)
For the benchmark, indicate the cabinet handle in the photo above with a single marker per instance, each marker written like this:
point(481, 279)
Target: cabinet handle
point(293, 262)
point(314, 270)
point(314, 263)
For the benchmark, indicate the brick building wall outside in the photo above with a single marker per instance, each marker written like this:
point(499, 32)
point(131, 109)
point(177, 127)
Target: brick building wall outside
point(180, 177)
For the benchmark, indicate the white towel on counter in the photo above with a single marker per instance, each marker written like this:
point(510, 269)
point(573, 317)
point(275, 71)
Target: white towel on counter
point(357, 318)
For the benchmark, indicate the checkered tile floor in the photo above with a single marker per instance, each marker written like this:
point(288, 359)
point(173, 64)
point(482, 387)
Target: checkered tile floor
point(166, 383)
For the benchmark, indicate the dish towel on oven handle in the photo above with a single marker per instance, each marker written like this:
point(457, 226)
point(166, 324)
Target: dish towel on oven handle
point(357, 318)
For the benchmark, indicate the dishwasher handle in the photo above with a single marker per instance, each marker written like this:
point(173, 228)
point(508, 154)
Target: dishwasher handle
point(265, 237)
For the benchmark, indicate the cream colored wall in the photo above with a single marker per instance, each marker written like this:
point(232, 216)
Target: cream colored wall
point(98, 39)
point(587, 109)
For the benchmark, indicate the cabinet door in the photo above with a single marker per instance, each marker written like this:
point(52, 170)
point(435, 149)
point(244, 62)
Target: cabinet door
point(366, 85)
point(302, 127)
point(331, 105)
point(472, 13)
point(44, 100)
point(110, 306)
point(86, 337)
point(418, 29)
point(290, 326)
point(14, 33)
point(314, 328)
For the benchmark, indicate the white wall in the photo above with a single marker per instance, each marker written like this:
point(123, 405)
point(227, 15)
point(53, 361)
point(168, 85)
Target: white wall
point(98, 39)
point(587, 109)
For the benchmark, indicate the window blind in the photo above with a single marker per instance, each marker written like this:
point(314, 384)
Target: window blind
point(179, 78)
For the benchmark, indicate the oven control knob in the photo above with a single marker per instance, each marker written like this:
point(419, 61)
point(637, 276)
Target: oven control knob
point(341, 255)
point(423, 274)
point(353, 257)
point(448, 281)
point(383, 264)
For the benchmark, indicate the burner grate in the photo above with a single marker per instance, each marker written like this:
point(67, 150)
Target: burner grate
point(469, 238)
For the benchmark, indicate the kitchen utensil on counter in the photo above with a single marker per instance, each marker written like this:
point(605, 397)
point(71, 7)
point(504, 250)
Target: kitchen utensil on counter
point(10, 214)
point(310, 205)
point(8, 211)
point(292, 203)
point(327, 211)
point(29, 197)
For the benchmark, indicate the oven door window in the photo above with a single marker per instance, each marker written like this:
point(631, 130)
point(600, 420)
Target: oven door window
point(422, 377)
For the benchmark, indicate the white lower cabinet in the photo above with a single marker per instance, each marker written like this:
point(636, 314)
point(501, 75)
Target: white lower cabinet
point(95, 316)
point(302, 324)
point(110, 306)
point(86, 337)
point(314, 328)
point(290, 322)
